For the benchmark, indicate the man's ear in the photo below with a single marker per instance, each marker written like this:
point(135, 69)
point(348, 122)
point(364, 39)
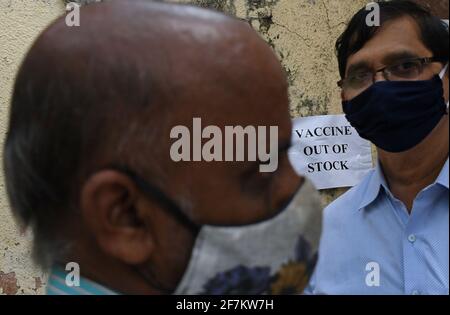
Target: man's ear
point(110, 209)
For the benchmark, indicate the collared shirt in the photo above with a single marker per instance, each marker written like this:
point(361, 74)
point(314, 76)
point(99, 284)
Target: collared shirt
point(372, 245)
point(57, 285)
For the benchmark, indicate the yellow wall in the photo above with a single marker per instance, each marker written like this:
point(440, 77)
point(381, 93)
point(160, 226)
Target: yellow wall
point(302, 33)
point(20, 22)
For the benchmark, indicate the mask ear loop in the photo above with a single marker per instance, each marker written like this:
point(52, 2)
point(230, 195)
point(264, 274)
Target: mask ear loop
point(443, 71)
point(441, 75)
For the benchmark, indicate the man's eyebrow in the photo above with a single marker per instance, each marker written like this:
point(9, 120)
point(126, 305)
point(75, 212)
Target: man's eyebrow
point(387, 60)
point(361, 65)
point(399, 56)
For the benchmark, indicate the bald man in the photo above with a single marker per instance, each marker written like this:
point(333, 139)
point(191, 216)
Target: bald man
point(88, 165)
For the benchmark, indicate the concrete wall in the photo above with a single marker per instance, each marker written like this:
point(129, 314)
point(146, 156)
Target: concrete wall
point(20, 22)
point(302, 32)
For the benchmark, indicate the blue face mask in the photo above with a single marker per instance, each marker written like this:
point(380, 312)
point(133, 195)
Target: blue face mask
point(397, 115)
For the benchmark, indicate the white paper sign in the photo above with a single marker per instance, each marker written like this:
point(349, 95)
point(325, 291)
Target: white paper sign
point(329, 151)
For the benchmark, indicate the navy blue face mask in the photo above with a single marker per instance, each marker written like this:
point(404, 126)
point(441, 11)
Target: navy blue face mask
point(397, 115)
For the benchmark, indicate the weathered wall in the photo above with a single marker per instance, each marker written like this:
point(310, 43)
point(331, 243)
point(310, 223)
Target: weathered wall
point(20, 22)
point(302, 32)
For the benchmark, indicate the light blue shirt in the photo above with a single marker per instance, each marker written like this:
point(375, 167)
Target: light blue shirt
point(372, 245)
point(57, 285)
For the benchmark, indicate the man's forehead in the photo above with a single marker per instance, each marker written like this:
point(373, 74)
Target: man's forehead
point(395, 39)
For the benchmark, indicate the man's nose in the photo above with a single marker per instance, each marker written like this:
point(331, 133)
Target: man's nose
point(378, 77)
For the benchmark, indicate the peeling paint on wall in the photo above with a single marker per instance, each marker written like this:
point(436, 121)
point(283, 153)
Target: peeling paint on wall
point(220, 5)
point(8, 283)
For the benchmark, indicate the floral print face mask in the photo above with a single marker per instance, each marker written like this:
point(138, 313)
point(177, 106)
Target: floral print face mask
point(273, 257)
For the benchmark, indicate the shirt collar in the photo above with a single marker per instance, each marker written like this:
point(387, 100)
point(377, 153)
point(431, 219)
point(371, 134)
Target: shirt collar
point(377, 182)
point(57, 285)
point(443, 176)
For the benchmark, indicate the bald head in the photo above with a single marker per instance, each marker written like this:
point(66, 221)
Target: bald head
point(131, 58)
point(107, 93)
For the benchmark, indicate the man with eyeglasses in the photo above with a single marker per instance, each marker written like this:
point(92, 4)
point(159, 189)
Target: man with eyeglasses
point(390, 233)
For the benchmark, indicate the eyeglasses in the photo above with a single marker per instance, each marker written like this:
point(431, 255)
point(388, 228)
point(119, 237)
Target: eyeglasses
point(407, 69)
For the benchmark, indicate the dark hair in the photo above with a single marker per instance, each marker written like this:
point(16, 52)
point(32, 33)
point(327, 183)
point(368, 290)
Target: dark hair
point(434, 32)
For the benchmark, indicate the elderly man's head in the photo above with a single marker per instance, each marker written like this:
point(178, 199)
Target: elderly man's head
point(89, 133)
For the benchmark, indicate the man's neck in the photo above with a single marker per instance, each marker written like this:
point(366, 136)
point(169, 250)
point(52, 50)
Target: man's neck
point(102, 269)
point(409, 172)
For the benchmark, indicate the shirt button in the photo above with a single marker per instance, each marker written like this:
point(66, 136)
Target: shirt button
point(412, 238)
point(415, 292)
